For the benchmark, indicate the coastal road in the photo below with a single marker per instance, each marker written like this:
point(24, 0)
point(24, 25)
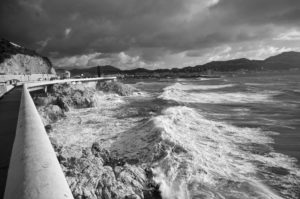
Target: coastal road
point(9, 110)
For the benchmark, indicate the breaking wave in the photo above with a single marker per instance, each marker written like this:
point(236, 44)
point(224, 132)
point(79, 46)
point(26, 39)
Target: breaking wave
point(199, 87)
point(194, 157)
point(177, 92)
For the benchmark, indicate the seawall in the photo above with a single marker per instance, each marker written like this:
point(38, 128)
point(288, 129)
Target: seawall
point(34, 170)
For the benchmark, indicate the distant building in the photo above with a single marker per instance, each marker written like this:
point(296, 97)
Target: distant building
point(67, 74)
point(99, 71)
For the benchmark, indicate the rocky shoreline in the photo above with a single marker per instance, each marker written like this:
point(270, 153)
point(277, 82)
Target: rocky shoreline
point(90, 169)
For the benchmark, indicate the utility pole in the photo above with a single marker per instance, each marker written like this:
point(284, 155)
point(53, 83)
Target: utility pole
point(99, 72)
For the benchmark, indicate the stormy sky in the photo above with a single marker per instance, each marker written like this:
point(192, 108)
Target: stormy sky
point(151, 33)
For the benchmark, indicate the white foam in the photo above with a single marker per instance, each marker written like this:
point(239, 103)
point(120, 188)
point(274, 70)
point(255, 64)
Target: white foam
point(195, 156)
point(203, 78)
point(177, 93)
point(264, 84)
point(186, 87)
point(107, 99)
point(16, 45)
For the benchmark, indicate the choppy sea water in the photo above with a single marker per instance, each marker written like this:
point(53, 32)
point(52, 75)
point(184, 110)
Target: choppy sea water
point(231, 137)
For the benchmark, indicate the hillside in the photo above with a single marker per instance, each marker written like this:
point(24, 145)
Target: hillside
point(283, 61)
point(15, 59)
point(93, 71)
point(231, 65)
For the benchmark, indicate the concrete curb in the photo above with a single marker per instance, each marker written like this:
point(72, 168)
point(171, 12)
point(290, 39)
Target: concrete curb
point(34, 171)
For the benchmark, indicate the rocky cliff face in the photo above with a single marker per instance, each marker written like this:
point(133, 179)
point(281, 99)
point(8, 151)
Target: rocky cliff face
point(16, 60)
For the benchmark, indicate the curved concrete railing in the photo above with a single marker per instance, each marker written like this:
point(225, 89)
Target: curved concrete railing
point(6, 89)
point(34, 171)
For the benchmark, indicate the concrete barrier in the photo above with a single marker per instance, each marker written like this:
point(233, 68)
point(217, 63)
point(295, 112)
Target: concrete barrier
point(5, 89)
point(26, 78)
point(44, 83)
point(34, 171)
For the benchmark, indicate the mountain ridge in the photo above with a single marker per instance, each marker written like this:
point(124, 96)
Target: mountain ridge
point(283, 61)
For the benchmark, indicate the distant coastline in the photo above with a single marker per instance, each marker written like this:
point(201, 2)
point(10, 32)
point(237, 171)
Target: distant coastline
point(281, 62)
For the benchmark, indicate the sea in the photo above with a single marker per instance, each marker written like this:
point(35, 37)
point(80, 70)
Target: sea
point(235, 137)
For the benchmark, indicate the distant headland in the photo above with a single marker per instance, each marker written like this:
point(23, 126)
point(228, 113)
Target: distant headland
point(284, 61)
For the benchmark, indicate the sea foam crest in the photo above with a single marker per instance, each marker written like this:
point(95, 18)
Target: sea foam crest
point(177, 92)
point(183, 86)
point(194, 157)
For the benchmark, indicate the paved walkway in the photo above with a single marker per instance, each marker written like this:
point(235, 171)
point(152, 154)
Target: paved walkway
point(9, 109)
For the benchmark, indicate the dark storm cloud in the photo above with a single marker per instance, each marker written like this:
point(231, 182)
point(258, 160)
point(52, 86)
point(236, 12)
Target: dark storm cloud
point(149, 30)
point(258, 11)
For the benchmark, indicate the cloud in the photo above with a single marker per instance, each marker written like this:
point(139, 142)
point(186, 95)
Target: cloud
point(120, 60)
point(151, 33)
point(289, 35)
point(67, 32)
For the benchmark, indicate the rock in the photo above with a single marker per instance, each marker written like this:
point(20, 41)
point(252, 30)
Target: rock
point(92, 173)
point(50, 113)
point(69, 95)
point(43, 101)
point(15, 59)
point(132, 197)
point(98, 151)
point(48, 128)
point(116, 87)
point(279, 170)
point(62, 104)
point(152, 193)
point(106, 194)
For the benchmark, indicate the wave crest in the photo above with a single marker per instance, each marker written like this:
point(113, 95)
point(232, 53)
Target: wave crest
point(197, 157)
point(182, 86)
point(177, 92)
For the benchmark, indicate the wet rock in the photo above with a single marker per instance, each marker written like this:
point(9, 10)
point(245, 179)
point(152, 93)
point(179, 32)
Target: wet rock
point(98, 151)
point(50, 113)
point(62, 104)
point(132, 197)
point(48, 128)
point(43, 100)
point(116, 87)
point(153, 193)
point(92, 173)
point(76, 96)
point(279, 170)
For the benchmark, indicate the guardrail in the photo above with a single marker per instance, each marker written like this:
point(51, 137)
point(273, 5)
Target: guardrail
point(34, 171)
point(45, 83)
point(6, 89)
point(26, 78)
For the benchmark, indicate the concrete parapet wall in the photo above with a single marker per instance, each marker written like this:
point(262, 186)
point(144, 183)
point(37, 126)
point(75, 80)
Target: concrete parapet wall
point(34, 171)
point(86, 80)
point(26, 78)
point(5, 88)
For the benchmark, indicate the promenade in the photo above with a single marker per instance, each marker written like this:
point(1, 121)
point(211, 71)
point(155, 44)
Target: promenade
point(9, 110)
